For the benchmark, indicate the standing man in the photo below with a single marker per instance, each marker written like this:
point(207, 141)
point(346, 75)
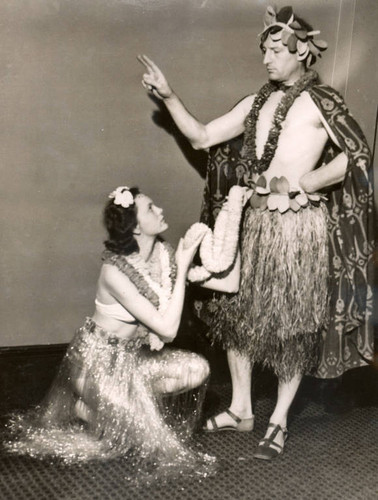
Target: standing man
point(304, 298)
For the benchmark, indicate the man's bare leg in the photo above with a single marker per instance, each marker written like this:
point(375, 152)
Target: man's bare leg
point(285, 397)
point(241, 403)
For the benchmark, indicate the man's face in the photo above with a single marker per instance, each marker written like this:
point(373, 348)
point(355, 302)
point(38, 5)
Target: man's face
point(282, 66)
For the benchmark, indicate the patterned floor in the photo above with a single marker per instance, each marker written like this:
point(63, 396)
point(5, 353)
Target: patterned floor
point(331, 454)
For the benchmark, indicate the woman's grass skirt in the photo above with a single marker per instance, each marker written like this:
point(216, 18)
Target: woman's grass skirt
point(132, 413)
point(282, 305)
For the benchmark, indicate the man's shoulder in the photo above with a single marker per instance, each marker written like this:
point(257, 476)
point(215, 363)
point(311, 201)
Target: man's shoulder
point(247, 100)
point(324, 94)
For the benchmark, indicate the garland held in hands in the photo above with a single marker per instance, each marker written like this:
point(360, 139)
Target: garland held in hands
point(218, 248)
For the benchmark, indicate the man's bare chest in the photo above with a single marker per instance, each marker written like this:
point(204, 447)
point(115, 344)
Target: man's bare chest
point(302, 113)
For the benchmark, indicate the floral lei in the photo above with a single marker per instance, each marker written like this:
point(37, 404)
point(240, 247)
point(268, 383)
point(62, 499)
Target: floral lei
point(219, 247)
point(260, 165)
point(157, 289)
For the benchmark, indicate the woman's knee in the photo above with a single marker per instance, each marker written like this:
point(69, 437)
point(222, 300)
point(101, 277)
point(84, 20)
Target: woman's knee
point(199, 370)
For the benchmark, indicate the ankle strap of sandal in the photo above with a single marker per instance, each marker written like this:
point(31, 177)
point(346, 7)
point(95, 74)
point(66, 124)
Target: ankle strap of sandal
point(233, 416)
point(276, 429)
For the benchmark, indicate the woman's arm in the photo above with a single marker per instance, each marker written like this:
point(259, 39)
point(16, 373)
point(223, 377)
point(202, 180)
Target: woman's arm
point(124, 291)
point(166, 324)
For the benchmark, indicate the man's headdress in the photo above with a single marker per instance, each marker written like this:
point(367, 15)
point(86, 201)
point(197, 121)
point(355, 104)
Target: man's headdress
point(284, 26)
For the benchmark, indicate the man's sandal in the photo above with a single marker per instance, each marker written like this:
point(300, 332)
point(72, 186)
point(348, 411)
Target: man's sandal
point(267, 448)
point(242, 424)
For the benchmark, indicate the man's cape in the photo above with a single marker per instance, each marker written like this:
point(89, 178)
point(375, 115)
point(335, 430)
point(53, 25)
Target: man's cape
point(348, 341)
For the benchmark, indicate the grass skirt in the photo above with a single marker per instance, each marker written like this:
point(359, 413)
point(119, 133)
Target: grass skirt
point(143, 406)
point(282, 304)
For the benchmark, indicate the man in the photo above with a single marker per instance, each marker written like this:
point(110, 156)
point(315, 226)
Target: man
point(304, 299)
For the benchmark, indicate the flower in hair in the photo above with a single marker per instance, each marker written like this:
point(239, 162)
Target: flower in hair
point(293, 35)
point(122, 196)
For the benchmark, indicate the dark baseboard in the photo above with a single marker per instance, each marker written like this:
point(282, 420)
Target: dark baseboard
point(26, 373)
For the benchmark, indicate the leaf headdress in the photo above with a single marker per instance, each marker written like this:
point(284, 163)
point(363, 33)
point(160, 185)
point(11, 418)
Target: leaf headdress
point(284, 26)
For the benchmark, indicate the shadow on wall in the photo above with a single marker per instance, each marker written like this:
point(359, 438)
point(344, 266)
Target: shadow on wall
point(162, 118)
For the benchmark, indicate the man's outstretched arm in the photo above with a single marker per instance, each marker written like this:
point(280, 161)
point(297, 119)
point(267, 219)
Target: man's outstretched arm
point(200, 136)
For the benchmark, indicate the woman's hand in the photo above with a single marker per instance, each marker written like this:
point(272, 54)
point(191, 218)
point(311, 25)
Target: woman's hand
point(185, 253)
point(154, 80)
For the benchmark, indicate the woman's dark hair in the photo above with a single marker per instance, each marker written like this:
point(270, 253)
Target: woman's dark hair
point(120, 224)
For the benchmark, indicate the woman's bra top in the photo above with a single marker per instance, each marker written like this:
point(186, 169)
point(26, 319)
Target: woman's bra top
point(115, 311)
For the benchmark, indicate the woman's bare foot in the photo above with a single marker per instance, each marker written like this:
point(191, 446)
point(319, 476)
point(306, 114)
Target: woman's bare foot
point(83, 411)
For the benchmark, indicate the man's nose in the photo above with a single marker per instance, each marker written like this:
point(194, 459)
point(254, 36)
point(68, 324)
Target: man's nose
point(267, 57)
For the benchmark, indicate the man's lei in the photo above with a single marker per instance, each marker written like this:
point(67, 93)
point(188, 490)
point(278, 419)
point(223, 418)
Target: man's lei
point(260, 165)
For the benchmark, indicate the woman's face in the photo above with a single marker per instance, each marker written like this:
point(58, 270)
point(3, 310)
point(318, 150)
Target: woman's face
point(150, 217)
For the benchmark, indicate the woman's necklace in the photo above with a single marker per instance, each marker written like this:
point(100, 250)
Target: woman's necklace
point(156, 273)
point(260, 165)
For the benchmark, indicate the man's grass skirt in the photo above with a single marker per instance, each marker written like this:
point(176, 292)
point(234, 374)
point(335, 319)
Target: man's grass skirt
point(282, 305)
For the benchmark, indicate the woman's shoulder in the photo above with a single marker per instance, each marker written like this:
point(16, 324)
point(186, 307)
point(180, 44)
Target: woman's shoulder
point(113, 264)
point(109, 257)
point(112, 277)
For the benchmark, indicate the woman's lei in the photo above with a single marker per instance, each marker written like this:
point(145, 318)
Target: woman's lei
point(163, 290)
point(259, 165)
point(155, 284)
point(218, 248)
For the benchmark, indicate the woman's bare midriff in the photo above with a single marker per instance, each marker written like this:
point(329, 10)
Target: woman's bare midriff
point(115, 327)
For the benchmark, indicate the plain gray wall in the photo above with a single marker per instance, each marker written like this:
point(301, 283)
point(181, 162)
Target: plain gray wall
point(76, 123)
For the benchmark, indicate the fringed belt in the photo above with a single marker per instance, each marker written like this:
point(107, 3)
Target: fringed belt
point(128, 343)
point(279, 196)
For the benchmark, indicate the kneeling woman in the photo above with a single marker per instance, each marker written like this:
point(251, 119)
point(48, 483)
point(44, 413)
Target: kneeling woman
point(110, 396)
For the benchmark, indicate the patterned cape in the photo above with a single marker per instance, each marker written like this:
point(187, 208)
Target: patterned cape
point(348, 341)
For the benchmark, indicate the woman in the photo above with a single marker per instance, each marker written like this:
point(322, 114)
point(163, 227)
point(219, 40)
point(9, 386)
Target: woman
point(115, 389)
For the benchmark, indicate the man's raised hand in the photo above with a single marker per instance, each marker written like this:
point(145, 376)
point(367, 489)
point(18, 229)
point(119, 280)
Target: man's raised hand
point(154, 80)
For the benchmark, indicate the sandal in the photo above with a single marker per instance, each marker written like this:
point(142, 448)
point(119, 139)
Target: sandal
point(242, 424)
point(267, 448)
